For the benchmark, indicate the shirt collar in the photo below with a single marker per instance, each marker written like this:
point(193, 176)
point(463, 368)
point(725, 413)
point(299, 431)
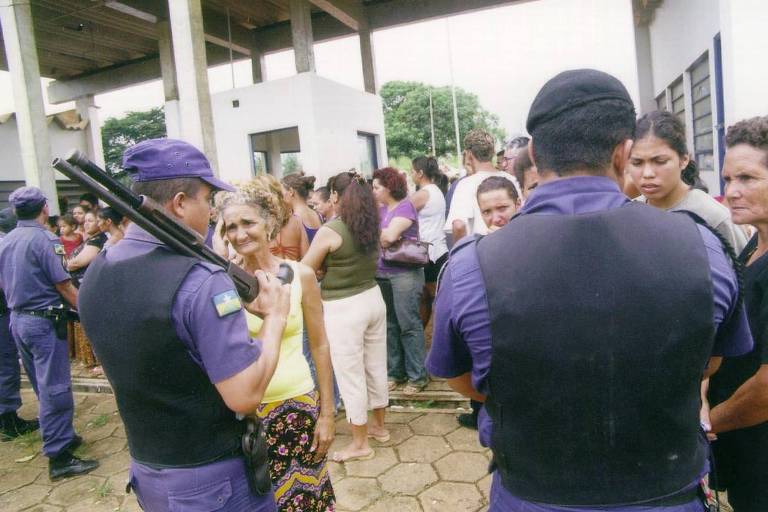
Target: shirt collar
point(134, 232)
point(575, 195)
point(29, 223)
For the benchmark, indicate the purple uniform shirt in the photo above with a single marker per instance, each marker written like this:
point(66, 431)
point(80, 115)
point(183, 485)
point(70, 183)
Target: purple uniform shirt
point(220, 345)
point(31, 266)
point(461, 340)
point(406, 210)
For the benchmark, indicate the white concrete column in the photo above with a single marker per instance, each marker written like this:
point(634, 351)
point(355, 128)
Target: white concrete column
point(744, 40)
point(258, 67)
point(188, 38)
point(170, 87)
point(273, 154)
point(88, 111)
point(369, 63)
point(644, 69)
point(21, 54)
point(301, 31)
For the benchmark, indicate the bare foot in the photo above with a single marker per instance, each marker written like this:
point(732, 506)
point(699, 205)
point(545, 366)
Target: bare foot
point(351, 453)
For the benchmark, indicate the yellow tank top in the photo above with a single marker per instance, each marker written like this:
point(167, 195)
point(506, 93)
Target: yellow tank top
point(292, 377)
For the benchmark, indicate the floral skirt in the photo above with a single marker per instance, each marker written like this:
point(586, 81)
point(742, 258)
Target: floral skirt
point(300, 483)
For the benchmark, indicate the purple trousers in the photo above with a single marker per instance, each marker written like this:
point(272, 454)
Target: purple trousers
point(46, 357)
point(220, 486)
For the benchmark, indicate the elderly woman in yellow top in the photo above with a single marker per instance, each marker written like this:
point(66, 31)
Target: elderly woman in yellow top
point(299, 424)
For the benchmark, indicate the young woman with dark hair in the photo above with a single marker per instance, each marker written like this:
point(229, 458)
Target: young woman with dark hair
point(296, 188)
point(663, 171)
point(429, 201)
point(354, 311)
point(406, 349)
point(109, 223)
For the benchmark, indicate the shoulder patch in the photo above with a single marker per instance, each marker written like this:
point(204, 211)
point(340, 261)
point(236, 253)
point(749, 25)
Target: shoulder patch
point(58, 249)
point(227, 303)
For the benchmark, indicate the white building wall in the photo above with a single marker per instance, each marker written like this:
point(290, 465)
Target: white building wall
point(327, 114)
point(744, 37)
point(61, 141)
point(682, 30)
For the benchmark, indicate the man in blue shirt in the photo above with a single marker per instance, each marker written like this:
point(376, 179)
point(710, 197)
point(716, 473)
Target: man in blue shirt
point(36, 287)
point(587, 323)
point(177, 351)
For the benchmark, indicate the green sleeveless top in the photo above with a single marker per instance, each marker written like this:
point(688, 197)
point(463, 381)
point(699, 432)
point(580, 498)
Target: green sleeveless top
point(348, 270)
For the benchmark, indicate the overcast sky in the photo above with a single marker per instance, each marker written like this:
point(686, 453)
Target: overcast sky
point(503, 55)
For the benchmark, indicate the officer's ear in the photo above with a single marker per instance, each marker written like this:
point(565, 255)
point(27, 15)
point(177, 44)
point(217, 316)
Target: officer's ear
point(619, 160)
point(177, 204)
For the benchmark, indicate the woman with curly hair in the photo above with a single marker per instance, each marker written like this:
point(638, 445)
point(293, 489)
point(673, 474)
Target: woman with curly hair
point(406, 349)
point(355, 315)
point(299, 423)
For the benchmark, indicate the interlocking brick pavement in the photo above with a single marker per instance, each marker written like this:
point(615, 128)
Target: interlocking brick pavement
point(430, 464)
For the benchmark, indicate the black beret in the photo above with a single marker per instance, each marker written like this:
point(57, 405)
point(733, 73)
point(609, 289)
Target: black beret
point(573, 89)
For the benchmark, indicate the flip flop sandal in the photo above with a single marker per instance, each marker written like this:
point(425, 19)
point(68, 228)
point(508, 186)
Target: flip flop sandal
point(337, 458)
point(382, 439)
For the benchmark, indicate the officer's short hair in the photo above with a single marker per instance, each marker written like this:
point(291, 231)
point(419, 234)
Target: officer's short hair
point(583, 137)
point(163, 191)
point(29, 213)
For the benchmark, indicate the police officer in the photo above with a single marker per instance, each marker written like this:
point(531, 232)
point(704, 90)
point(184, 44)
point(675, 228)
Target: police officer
point(589, 355)
point(172, 338)
point(36, 287)
point(11, 426)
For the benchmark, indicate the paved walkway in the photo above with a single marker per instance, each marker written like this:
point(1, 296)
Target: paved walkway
point(430, 464)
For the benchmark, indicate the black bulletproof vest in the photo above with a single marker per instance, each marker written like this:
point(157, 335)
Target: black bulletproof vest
point(173, 415)
point(601, 326)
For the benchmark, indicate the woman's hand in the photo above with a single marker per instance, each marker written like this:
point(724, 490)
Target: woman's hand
point(325, 432)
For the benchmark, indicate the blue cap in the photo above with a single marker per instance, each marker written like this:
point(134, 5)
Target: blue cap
point(27, 198)
point(167, 159)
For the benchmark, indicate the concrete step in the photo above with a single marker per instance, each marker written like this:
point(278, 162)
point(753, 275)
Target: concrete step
point(436, 400)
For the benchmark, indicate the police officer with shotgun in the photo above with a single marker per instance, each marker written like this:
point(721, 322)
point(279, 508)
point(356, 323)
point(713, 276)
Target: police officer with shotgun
point(171, 334)
point(39, 291)
point(590, 355)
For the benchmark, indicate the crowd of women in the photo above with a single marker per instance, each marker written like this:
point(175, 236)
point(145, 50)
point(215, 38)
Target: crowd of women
point(356, 329)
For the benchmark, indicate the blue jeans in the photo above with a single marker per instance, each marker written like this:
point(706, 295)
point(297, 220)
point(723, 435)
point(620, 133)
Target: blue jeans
point(406, 350)
point(312, 370)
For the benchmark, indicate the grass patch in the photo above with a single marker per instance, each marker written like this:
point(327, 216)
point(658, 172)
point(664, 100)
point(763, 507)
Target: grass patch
point(104, 490)
point(424, 404)
point(98, 421)
point(30, 441)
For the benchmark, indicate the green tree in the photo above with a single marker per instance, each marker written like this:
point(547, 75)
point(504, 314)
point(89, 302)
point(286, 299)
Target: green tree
point(117, 134)
point(406, 118)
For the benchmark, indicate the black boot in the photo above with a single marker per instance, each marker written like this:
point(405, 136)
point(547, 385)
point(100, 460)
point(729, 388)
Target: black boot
point(11, 426)
point(66, 464)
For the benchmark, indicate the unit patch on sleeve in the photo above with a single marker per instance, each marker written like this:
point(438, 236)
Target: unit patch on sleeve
point(227, 303)
point(58, 249)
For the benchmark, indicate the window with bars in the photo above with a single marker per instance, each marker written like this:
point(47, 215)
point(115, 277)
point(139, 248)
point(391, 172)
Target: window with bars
point(677, 93)
point(703, 142)
point(661, 101)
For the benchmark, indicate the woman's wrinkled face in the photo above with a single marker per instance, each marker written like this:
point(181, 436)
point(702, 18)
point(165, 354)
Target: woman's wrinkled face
point(496, 207)
point(246, 229)
point(79, 214)
point(655, 167)
point(380, 192)
point(745, 173)
point(90, 225)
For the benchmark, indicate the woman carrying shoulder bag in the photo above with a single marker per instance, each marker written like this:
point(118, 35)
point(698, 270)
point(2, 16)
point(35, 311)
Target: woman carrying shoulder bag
point(402, 286)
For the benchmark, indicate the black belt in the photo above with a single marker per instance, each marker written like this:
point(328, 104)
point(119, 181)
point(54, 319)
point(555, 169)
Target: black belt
point(44, 313)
